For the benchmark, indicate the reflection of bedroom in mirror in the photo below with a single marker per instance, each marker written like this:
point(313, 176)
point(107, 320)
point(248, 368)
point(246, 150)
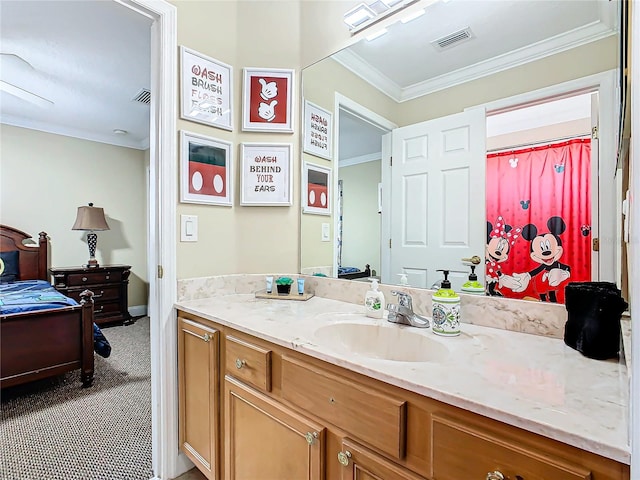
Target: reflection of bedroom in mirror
point(486, 99)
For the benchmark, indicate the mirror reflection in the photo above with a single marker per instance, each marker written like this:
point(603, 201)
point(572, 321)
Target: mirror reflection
point(487, 110)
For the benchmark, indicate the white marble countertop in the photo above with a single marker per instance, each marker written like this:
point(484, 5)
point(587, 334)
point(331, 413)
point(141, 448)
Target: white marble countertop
point(528, 381)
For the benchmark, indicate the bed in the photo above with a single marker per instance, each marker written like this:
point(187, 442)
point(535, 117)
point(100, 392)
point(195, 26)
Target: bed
point(52, 340)
point(350, 273)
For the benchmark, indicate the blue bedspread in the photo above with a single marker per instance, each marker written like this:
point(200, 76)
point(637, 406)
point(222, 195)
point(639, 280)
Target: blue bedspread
point(30, 295)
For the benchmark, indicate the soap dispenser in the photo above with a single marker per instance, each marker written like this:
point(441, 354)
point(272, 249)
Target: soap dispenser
point(374, 302)
point(446, 309)
point(473, 286)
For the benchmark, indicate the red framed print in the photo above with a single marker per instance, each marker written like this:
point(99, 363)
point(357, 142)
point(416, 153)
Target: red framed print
point(267, 100)
point(206, 174)
point(316, 189)
point(206, 90)
point(266, 177)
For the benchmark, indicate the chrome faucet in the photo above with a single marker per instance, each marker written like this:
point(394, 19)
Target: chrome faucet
point(403, 312)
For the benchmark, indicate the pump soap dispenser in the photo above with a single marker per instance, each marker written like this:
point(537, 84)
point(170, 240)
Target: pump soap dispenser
point(446, 309)
point(473, 286)
point(374, 301)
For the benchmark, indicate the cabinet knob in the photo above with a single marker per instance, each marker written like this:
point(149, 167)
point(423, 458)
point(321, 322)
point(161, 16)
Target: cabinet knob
point(240, 363)
point(311, 437)
point(206, 337)
point(496, 475)
point(343, 458)
point(84, 279)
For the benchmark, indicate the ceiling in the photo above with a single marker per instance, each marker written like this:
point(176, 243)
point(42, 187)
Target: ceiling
point(91, 58)
point(87, 59)
point(404, 63)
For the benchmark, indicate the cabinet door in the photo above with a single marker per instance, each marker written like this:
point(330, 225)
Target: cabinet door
point(268, 441)
point(199, 398)
point(360, 463)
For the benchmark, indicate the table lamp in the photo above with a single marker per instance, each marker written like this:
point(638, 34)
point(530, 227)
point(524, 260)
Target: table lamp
point(91, 219)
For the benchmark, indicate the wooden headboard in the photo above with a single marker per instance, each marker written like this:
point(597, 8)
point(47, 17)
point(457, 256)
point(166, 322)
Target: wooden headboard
point(33, 259)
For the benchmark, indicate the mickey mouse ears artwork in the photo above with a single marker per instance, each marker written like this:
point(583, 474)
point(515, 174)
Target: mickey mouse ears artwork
point(267, 100)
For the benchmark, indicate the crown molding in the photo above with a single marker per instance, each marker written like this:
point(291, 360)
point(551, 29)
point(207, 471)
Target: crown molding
point(560, 43)
point(75, 133)
point(369, 157)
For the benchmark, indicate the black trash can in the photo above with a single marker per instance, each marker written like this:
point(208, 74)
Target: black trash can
point(593, 318)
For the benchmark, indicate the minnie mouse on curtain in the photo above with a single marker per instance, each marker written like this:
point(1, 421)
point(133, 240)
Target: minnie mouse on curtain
point(538, 220)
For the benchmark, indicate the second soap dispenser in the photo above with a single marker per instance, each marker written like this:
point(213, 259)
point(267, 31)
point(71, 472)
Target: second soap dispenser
point(374, 301)
point(446, 309)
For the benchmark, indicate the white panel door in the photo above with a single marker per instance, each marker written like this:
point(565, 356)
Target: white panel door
point(438, 198)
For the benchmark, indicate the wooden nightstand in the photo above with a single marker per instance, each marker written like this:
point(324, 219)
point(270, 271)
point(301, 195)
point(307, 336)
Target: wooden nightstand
point(109, 284)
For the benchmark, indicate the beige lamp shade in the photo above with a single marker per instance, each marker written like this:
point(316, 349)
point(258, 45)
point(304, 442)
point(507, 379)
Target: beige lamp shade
point(90, 218)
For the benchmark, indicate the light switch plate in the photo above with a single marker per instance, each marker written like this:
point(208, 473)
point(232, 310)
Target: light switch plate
point(325, 232)
point(188, 228)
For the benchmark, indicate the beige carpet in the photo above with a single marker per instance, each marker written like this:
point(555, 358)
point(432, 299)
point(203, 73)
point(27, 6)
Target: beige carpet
point(53, 429)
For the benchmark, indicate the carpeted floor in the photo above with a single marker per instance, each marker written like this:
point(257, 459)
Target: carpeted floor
point(53, 429)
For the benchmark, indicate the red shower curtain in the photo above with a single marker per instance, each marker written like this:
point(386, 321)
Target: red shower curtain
point(539, 220)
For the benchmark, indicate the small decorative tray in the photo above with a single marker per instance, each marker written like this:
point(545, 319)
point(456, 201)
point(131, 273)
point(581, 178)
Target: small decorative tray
point(291, 296)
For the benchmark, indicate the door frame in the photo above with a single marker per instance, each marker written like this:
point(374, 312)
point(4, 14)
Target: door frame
point(609, 256)
point(167, 461)
point(342, 102)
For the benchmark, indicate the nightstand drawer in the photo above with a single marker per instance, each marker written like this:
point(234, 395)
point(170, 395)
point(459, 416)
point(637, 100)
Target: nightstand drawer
point(106, 309)
point(100, 294)
point(92, 278)
point(249, 363)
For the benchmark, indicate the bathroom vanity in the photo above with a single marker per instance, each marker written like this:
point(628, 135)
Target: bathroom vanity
point(272, 389)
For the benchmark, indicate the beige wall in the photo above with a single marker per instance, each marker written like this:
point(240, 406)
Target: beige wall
point(44, 178)
point(361, 220)
point(243, 239)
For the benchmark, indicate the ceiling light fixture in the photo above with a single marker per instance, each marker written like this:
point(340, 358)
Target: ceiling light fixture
point(358, 15)
point(119, 131)
point(413, 16)
point(390, 3)
point(377, 34)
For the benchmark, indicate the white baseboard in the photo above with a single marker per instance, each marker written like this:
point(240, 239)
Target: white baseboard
point(138, 310)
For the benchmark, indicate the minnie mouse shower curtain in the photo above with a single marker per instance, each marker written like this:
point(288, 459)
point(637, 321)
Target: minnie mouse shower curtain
point(538, 220)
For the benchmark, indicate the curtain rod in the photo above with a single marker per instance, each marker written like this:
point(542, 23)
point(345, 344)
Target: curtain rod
point(539, 143)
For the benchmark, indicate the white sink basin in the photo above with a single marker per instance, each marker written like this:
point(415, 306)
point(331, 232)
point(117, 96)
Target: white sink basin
point(381, 342)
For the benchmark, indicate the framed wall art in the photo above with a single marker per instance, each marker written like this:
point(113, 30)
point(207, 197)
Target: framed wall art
point(206, 90)
point(318, 131)
point(266, 177)
point(316, 189)
point(206, 173)
point(267, 100)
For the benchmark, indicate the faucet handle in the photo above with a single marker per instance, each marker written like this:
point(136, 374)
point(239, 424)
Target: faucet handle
point(404, 299)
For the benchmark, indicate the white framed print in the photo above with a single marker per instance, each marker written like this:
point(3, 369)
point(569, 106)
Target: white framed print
point(206, 170)
point(206, 90)
point(318, 131)
point(267, 100)
point(316, 189)
point(266, 177)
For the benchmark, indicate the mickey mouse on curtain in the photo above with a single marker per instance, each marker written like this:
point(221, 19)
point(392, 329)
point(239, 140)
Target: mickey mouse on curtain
point(500, 239)
point(545, 249)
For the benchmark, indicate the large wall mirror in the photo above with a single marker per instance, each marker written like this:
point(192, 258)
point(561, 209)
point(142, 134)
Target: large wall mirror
point(452, 129)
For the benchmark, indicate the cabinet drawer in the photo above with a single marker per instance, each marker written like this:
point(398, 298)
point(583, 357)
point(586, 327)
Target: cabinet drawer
point(465, 451)
point(92, 278)
point(249, 363)
point(110, 309)
point(100, 294)
point(373, 417)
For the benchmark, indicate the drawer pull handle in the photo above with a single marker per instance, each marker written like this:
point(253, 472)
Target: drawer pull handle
point(343, 458)
point(496, 475)
point(107, 277)
point(98, 310)
point(84, 279)
point(240, 363)
point(101, 294)
point(311, 437)
point(206, 337)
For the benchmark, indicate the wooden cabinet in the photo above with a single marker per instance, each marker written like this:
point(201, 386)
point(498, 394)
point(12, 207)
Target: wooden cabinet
point(109, 284)
point(198, 382)
point(360, 463)
point(266, 440)
point(290, 416)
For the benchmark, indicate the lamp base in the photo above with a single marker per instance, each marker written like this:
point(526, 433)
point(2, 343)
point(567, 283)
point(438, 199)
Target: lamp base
point(92, 263)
